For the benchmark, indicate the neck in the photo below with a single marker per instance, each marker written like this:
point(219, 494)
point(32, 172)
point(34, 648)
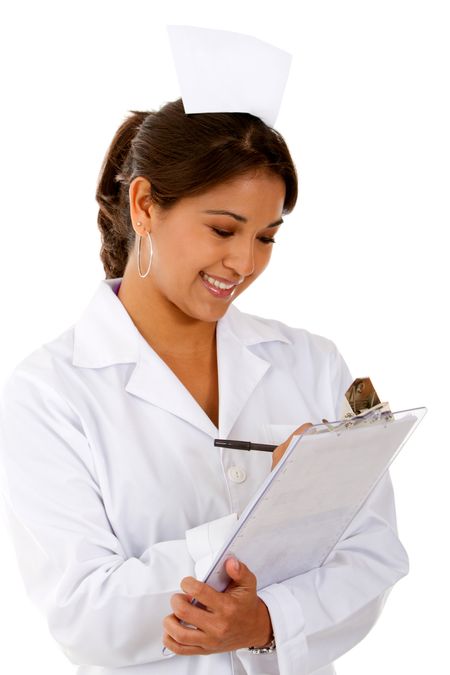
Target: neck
point(164, 326)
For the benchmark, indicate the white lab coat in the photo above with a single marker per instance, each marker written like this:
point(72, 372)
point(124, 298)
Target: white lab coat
point(108, 470)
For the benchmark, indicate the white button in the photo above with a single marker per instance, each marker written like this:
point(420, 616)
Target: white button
point(236, 474)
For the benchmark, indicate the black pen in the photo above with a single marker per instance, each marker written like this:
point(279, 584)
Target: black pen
point(243, 445)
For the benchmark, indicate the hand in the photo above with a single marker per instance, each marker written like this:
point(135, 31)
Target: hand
point(280, 450)
point(230, 620)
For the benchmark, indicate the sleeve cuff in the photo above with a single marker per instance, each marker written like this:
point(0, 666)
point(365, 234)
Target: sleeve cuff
point(205, 541)
point(290, 656)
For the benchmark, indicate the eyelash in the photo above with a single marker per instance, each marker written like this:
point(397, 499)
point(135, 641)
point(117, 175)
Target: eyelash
point(225, 233)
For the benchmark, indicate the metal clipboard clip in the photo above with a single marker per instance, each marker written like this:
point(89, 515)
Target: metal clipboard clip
point(361, 406)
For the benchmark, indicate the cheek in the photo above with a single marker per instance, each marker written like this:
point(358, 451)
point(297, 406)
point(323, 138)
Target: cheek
point(262, 259)
point(171, 253)
point(178, 263)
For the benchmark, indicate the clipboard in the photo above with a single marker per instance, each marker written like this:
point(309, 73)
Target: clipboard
point(307, 502)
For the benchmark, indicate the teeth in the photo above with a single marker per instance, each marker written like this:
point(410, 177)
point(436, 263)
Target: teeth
point(217, 284)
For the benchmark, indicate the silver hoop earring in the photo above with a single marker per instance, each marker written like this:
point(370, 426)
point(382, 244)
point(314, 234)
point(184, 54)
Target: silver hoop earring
point(139, 255)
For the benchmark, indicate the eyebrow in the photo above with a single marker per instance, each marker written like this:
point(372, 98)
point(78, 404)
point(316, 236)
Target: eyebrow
point(236, 216)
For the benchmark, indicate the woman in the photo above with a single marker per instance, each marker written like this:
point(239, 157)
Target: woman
point(116, 497)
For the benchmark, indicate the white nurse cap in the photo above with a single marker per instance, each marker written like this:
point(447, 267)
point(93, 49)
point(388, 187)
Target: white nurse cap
point(223, 71)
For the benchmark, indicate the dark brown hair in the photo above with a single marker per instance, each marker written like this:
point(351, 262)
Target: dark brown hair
point(180, 155)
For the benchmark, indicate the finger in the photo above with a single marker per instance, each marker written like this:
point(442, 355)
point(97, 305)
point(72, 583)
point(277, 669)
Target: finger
point(183, 650)
point(178, 601)
point(185, 611)
point(281, 449)
point(279, 452)
point(203, 593)
point(301, 430)
point(191, 637)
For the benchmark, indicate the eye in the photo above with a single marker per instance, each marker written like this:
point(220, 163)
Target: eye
point(226, 233)
point(221, 233)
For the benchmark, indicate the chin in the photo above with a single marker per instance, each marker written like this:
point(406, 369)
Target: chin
point(211, 314)
point(215, 315)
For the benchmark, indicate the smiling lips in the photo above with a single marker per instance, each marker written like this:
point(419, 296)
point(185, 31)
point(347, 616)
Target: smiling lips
point(219, 289)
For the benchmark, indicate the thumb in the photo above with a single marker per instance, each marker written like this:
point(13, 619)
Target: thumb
point(238, 572)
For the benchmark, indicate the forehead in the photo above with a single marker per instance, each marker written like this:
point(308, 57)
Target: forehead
point(248, 182)
point(262, 191)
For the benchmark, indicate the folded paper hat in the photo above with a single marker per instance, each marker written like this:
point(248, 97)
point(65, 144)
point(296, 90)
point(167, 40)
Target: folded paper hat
point(223, 71)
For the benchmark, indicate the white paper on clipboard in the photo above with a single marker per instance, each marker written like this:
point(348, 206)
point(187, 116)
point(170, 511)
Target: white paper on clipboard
point(306, 504)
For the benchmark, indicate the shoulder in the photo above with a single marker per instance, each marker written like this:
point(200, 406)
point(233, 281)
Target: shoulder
point(254, 329)
point(306, 357)
point(45, 368)
point(41, 423)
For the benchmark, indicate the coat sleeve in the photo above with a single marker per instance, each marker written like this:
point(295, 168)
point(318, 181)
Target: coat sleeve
point(102, 607)
point(321, 614)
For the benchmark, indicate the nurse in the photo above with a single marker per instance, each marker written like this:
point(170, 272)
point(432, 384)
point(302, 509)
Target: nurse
point(115, 496)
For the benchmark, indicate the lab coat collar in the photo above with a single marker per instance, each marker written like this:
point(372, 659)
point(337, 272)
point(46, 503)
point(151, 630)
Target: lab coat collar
point(105, 335)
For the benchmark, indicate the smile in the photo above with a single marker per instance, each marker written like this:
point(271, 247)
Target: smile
point(217, 288)
point(216, 282)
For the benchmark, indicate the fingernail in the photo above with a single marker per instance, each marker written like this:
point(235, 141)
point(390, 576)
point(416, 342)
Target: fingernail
point(236, 564)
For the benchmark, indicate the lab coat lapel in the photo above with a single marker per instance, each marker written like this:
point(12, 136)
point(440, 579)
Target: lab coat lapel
point(242, 363)
point(240, 371)
point(240, 367)
point(153, 381)
point(106, 336)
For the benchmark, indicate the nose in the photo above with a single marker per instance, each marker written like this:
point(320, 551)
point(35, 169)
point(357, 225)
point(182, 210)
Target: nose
point(240, 257)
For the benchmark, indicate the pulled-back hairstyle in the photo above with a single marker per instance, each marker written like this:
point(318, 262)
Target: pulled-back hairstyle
point(180, 155)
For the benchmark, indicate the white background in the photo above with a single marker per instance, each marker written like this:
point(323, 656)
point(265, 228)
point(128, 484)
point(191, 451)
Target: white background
point(362, 260)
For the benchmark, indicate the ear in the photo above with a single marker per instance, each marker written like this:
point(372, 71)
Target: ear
point(141, 203)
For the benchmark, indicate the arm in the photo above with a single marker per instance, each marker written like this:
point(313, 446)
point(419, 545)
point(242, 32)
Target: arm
point(316, 616)
point(320, 615)
point(102, 607)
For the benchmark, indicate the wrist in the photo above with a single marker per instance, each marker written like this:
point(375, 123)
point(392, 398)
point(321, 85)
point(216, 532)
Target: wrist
point(265, 633)
point(268, 649)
